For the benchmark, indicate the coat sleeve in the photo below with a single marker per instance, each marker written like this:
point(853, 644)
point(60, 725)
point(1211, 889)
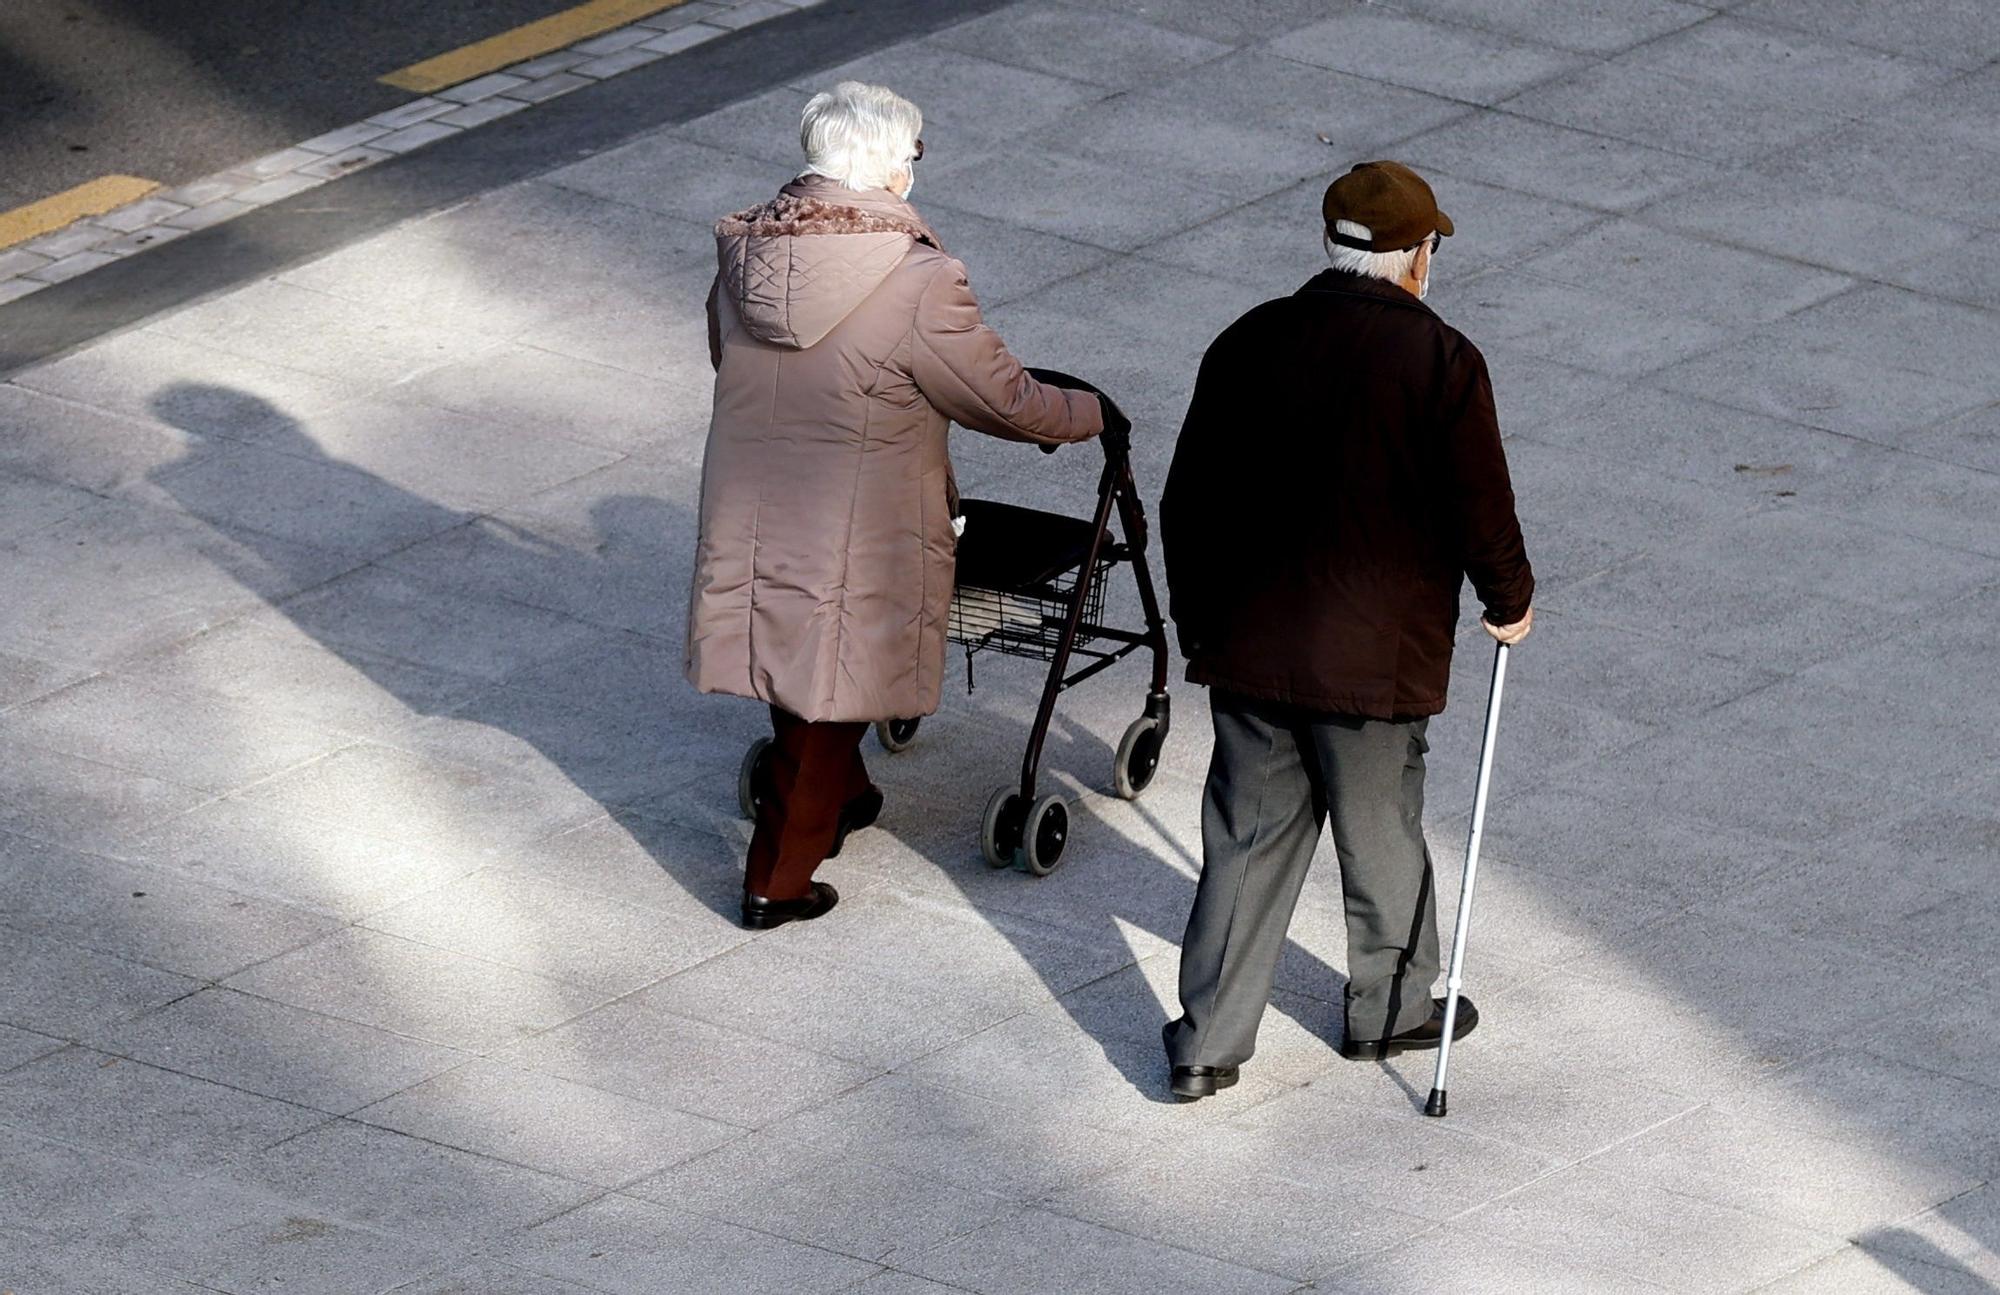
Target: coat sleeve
point(1186, 511)
point(967, 373)
point(1482, 494)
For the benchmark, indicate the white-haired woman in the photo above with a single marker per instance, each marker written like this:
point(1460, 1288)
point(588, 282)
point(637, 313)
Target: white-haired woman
point(845, 342)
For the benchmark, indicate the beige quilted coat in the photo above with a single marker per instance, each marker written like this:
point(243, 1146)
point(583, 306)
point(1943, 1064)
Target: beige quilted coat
point(845, 341)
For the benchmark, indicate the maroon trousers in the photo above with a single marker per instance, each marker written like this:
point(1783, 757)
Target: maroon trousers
point(814, 770)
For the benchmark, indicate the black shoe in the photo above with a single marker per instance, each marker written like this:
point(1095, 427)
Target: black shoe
point(1192, 1083)
point(1428, 1035)
point(856, 814)
point(761, 914)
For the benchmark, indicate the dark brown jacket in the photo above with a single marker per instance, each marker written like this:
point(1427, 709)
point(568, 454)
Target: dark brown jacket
point(1339, 473)
point(845, 343)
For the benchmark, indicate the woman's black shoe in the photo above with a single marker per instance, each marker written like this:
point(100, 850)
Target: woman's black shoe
point(761, 914)
point(856, 814)
point(1428, 1035)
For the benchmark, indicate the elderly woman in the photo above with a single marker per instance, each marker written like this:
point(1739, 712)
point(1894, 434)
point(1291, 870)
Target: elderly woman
point(845, 341)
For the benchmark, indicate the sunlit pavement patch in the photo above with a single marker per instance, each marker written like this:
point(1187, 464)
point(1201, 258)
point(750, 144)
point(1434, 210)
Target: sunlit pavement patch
point(163, 215)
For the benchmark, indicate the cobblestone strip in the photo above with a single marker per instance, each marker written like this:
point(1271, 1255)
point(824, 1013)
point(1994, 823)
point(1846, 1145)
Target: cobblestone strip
point(167, 214)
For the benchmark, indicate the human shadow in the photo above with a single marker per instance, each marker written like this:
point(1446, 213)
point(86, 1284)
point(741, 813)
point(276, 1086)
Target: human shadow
point(600, 716)
point(598, 711)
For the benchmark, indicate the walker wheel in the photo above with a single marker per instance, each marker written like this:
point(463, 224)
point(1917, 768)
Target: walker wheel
point(1045, 836)
point(755, 761)
point(1000, 828)
point(1138, 757)
point(896, 735)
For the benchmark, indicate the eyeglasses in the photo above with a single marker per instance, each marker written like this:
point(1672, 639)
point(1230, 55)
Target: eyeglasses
point(920, 151)
point(1436, 241)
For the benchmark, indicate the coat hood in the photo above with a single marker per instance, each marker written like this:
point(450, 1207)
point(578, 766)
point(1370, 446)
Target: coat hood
point(798, 265)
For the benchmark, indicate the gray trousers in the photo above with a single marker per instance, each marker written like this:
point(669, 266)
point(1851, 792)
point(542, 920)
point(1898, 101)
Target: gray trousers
point(1275, 774)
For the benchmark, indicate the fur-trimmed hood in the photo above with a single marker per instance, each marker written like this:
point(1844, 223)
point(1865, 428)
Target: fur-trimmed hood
point(799, 264)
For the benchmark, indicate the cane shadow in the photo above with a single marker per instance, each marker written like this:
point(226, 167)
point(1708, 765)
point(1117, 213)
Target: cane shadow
point(596, 714)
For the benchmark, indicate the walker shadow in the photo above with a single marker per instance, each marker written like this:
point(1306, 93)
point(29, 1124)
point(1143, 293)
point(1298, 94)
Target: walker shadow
point(642, 690)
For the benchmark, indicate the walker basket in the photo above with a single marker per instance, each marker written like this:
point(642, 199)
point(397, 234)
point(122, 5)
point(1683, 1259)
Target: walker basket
point(1017, 581)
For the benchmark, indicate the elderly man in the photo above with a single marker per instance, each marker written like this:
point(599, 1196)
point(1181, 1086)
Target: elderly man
point(1339, 473)
point(845, 342)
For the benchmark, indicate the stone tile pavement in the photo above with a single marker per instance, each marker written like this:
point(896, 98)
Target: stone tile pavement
point(366, 869)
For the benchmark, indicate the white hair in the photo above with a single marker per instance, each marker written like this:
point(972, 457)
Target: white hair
point(1393, 267)
point(859, 134)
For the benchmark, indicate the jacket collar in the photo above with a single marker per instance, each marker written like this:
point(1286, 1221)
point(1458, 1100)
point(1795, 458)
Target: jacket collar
point(876, 202)
point(1347, 283)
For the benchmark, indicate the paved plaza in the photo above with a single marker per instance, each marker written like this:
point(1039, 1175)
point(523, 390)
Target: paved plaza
point(368, 874)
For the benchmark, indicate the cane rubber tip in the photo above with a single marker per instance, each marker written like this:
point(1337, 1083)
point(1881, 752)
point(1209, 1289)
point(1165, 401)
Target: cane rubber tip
point(1435, 1106)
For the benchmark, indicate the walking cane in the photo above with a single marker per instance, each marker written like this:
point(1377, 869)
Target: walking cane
point(1436, 1104)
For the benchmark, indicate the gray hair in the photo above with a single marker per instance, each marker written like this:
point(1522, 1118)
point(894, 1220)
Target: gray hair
point(859, 134)
point(1393, 267)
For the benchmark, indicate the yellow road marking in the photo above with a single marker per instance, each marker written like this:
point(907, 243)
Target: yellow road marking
point(55, 211)
point(538, 37)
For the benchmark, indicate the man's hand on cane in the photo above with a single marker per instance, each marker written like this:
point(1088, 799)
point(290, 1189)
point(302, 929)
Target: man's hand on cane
point(1510, 634)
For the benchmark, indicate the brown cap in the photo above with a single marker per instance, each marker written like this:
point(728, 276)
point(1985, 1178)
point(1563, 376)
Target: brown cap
point(1389, 200)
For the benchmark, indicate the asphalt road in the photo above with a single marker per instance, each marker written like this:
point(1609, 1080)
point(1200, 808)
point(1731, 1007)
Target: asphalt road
point(174, 89)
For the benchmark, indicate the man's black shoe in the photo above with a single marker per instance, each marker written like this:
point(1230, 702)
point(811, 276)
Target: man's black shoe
point(1428, 1035)
point(761, 914)
point(1192, 1083)
point(856, 814)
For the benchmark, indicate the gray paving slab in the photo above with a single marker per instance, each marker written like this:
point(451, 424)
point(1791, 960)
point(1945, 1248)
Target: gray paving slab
point(1958, 1231)
point(1071, 42)
point(1554, 162)
point(819, 1197)
point(191, 739)
point(1438, 57)
point(28, 503)
point(320, 334)
point(1039, 1251)
point(23, 678)
point(277, 854)
point(264, 659)
point(47, 795)
point(18, 1046)
point(537, 391)
point(1648, 1233)
point(386, 1182)
point(156, 575)
point(490, 1277)
point(1923, 167)
point(629, 1247)
point(416, 990)
point(61, 990)
point(1258, 124)
point(293, 1054)
point(1947, 1121)
point(549, 1124)
point(767, 989)
point(553, 930)
point(153, 916)
point(1947, 32)
point(78, 445)
point(967, 100)
point(132, 1109)
point(980, 1145)
point(1381, 1154)
point(1483, 1262)
point(1845, 232)
point(383, 614)
point(1832, 1188)
point(1583, 325)
point(687, 1065)
point(1122, 208)
point(1865, 1271)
